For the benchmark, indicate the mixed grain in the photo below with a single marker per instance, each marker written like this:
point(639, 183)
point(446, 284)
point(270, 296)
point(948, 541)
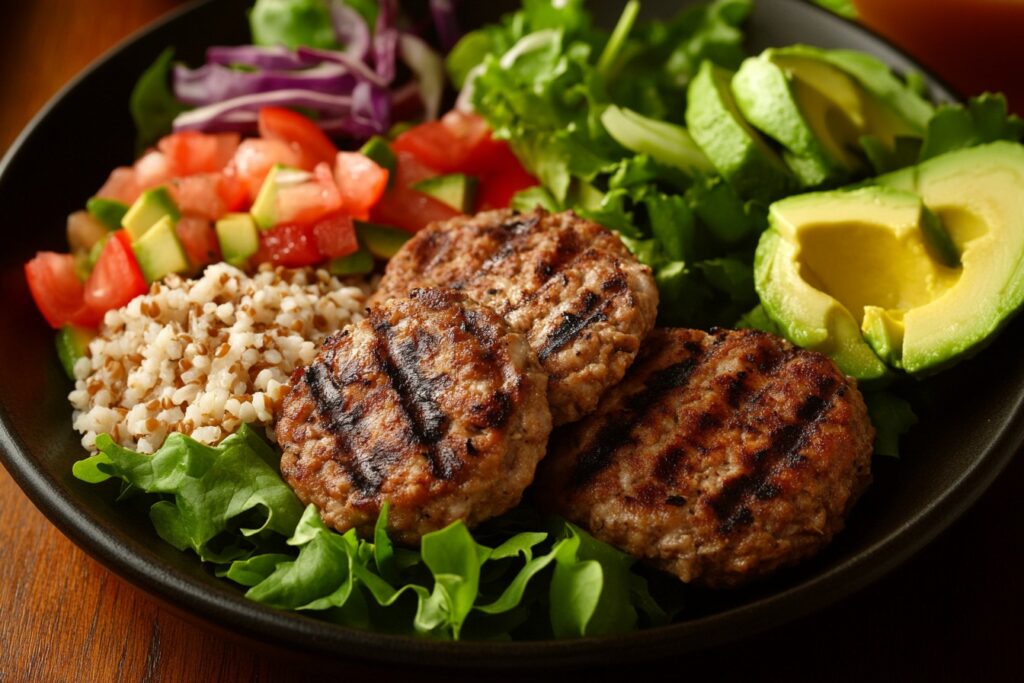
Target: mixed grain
point(203, 356)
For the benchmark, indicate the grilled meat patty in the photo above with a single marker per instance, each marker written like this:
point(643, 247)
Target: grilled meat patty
point(570, 285)
point(431, 404)
point(720, 458)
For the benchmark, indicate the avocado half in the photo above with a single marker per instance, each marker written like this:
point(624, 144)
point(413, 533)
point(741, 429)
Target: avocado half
point(865, 275)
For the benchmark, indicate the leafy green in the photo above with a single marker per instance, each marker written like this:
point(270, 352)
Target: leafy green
point(892, 417)
point(292, 23)
point(596, 117)
point(984, 119)
point(229, 506)
point(153, 105)
point(844, 8)
point(222, 503)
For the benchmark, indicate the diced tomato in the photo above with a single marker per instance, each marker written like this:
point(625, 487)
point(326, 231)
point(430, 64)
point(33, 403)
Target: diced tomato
point(199, 194)
point(310, 201)
point(335, 236)
point(199, 239)
point(410, 210)
point(57, 291)
point(483, 152)
point(152, 169)
point(361, 182)
point(232, 191)
point(496, 189)
point(313, 145)
point(291, 246)
point(458, 143)
point(409, 170)
point(254, 159)
point(115, 279)
point(190, 152)
point(121, 185)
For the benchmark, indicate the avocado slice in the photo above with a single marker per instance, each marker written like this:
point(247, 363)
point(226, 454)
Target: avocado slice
point(238, 238)
point(738, 151)
point(264, 208)
point(457, 190)
point(150, 207)
point(159, 252)
point(664, 142)
point(110, 212)
point(380, 240)
point(816, 128)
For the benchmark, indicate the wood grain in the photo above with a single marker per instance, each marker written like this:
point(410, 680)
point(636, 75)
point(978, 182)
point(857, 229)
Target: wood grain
point(954, 612)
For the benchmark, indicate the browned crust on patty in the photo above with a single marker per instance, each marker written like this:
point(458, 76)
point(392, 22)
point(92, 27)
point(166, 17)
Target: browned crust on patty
point(569, 284)
point(720, 457)
point(431, 404)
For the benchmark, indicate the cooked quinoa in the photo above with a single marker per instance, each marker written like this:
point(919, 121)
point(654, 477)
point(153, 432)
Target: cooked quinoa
point(203, 356)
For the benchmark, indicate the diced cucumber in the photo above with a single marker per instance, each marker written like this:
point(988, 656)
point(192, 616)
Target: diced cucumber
point(149, 208)
point(72, 343)
point(110, 212)
point(457, 190)
point(264, 209)
point(159, 252)
point(359, 263)
point(379, 150)
point(238, 237)
point(380, 240)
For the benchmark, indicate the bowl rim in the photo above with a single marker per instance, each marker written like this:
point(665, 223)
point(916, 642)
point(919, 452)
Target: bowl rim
point(230, 610)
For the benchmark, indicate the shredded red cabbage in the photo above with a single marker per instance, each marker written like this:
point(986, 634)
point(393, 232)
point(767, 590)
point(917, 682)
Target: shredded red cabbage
point(350, 90)
point(445, 22)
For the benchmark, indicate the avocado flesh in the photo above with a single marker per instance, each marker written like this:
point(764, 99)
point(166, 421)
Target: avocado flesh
point(811, 127)
point(976, 195)
point(827, 257)
point(737, 150)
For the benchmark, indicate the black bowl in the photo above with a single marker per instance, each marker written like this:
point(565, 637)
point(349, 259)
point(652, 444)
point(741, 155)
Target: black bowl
point(964, 438)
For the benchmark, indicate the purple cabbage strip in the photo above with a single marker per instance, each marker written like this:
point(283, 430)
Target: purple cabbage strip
point(445, 22)
point(277, 57)
point(358, 68)
point(350, 30)
point(215, 83)
point(214, 114)
point(385, 39)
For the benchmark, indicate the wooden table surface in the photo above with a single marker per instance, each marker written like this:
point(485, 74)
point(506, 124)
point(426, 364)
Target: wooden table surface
point(955, 611)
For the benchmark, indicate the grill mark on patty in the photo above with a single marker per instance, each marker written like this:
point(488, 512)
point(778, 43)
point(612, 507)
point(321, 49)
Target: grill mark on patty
point(618, 429)
point(367, 474)
point(417, 396)
point(572, 324)
point(784, 448)
point(510, 234)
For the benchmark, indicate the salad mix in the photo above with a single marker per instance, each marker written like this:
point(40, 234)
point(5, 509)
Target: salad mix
point(552, 110)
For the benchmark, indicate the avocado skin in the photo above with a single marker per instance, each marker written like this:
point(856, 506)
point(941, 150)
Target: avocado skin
point(736, 150)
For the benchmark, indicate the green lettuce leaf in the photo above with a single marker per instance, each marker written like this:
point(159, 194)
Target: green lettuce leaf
point(153, 105)
point(892, 417)
point(292, 23)
point(984, 119)
point(229, 506)
point(222, 502)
